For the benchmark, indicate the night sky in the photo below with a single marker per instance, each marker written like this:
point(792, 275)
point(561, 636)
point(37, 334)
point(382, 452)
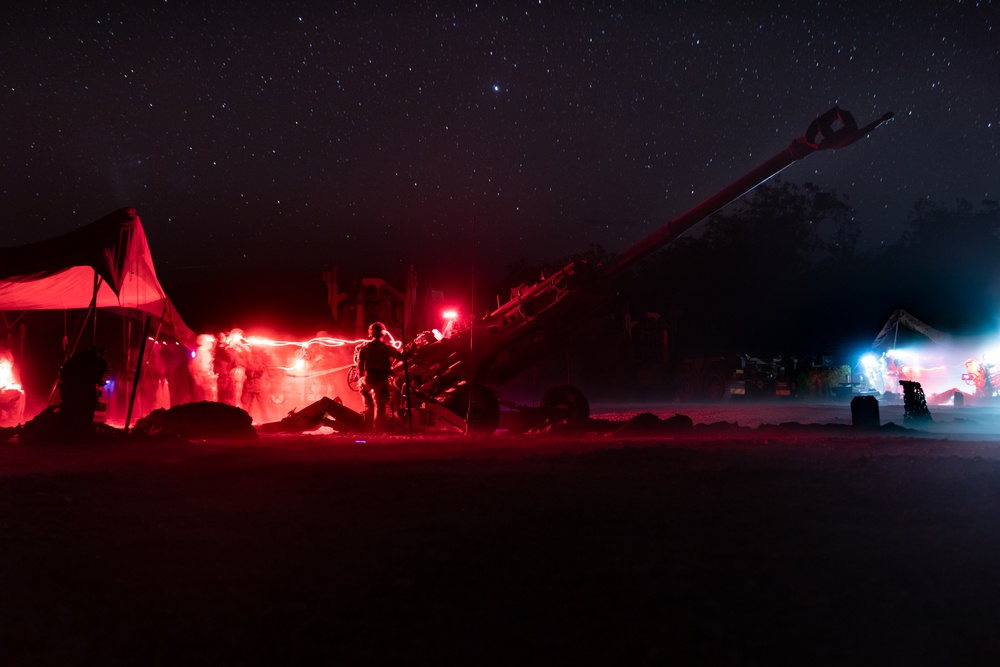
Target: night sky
point(379, 135)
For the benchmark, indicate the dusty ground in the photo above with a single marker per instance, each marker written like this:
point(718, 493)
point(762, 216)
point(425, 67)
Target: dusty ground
point(722, 546)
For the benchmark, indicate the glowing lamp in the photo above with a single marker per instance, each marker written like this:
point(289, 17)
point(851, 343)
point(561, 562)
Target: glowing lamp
point(7, 379)
point(450, 315)
point(11, 394)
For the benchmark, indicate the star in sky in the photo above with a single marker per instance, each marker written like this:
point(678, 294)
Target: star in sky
point(358, 135)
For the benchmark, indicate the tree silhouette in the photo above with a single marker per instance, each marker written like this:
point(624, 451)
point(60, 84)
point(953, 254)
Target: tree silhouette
point(780, 273)
point(762, 272)
point(945, 265)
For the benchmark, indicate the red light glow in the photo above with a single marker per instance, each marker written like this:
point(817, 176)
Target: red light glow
point(7, 378)
point(11, 394)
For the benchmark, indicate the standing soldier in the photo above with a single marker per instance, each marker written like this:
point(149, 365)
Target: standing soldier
point(374, 366)
point(80, 382)
point(201, 367)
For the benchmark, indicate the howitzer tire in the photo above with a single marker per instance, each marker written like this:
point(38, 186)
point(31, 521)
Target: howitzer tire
point(715, 387)
point(482, 413)
point(354, 379)
point(566, 402)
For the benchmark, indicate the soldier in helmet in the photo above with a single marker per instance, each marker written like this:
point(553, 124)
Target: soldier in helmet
point(80, 382)
point(374, 359)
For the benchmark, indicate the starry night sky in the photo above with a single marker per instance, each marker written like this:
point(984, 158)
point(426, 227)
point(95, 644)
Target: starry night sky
point(378, 135)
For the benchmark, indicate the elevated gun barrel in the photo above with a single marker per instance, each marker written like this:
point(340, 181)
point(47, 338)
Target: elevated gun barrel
point(834, 129)
point(495, 348)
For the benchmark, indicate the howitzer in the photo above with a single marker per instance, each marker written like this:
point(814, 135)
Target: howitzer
point(459, 370)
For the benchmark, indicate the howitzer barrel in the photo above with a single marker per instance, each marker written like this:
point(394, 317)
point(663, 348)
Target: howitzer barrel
point(535, 320)
point(834, 129)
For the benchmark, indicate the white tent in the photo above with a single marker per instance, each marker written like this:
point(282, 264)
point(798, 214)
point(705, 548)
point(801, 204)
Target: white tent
point(102, 267)
point(106, 264)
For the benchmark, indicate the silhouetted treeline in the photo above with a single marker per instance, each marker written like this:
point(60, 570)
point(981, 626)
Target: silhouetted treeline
point(780, 272)
point(946, 267)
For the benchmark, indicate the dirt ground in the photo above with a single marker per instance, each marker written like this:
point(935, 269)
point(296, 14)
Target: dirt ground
point(757, 545)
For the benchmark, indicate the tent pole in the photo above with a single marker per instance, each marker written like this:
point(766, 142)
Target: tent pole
point(142, 361)
point(93, 306)
point(83, 327)
point(128, 355)
point(406, 378)
point(91, 311)
point(138, 374)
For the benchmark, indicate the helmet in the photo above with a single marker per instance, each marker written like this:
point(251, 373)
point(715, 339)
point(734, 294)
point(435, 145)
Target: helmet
point(375, 330)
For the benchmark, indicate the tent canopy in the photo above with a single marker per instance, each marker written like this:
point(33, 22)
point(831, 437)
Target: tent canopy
point(111, 255)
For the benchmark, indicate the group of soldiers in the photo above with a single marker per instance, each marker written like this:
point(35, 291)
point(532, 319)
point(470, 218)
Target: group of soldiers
point(227, 369)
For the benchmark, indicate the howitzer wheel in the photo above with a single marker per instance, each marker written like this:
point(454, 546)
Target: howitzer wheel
point(566, 402)
point(354, 379)
point(482, 413)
